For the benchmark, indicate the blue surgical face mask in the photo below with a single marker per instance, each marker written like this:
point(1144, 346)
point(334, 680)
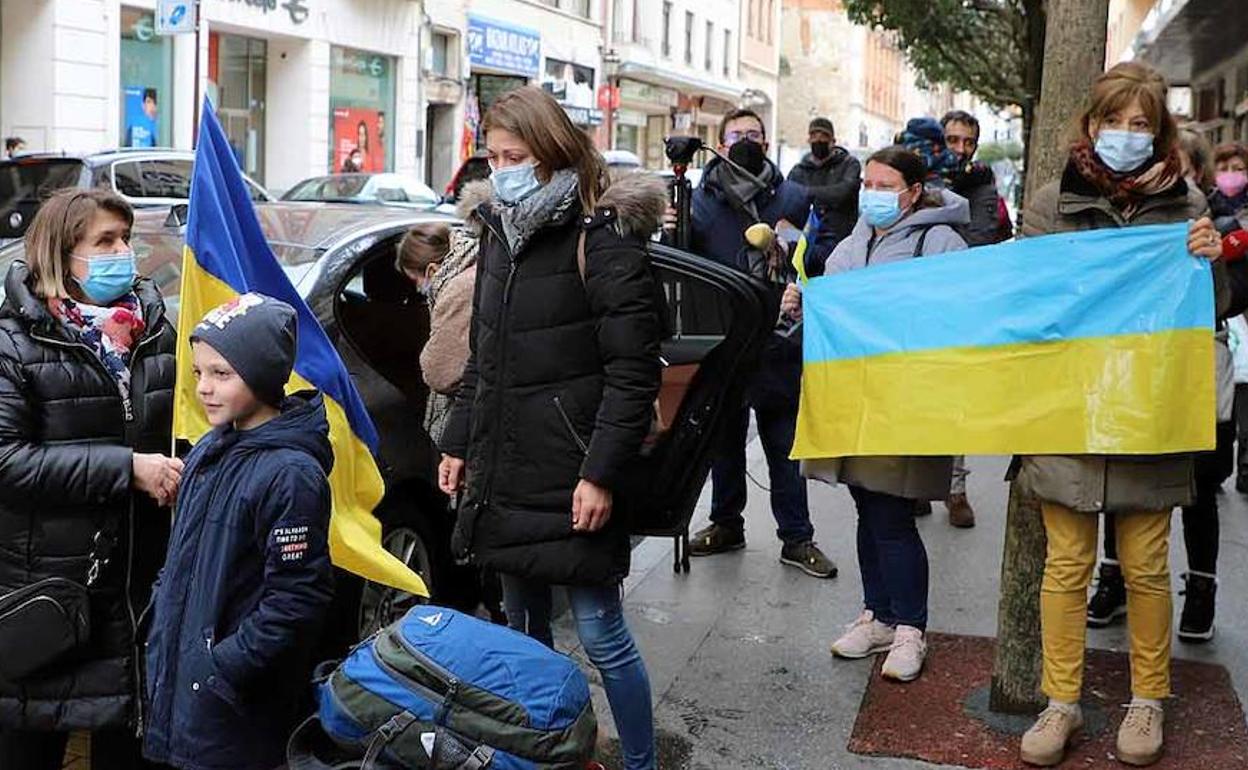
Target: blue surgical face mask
point(108, 276)
point(513, 184)
point(1124, 151)
point(881, 208)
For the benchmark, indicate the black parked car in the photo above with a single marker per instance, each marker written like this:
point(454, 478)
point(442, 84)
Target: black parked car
point(145, 177)
point(341, 259)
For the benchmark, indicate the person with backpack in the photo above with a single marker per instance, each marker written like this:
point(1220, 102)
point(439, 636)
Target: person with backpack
point(558, 394)
point(247, 580)
point(901, 219)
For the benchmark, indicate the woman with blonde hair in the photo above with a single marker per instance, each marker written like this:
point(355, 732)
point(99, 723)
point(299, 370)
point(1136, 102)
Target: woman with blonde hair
point(1124, 170)
point(559, 389)
point(86, 389)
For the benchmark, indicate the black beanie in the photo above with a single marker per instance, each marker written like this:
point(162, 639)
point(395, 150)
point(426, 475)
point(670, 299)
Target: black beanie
point(257, 335)
point(821, 124)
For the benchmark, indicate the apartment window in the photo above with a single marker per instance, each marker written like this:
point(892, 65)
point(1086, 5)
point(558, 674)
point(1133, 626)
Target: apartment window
point(771, 15)
point(579, 7)
point(637, 21)
point(727, 52)
point(749, 19)
point(667, 29)
point(710, 44)
point(441, 49)
point(688, 37)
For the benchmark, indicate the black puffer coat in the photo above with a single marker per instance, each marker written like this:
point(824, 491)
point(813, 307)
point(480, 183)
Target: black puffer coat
point(65, 471)
point(560, 385)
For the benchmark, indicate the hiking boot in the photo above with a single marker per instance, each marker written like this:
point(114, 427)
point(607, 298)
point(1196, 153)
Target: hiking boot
point(922, 507)
point(809, 559)
point(1196, 622)
point(1045, 743)
point(1140, 736)
point(961, 514)
point(716, 539)
point(1110, 600)
point(865, 636)
point(905, 660)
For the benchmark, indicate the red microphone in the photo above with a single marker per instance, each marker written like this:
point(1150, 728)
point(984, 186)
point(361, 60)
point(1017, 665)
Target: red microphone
point(1235, 246)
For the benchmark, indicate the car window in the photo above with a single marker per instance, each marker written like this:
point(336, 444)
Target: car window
point(328, 188)
point(153, 178)
point(33, 181)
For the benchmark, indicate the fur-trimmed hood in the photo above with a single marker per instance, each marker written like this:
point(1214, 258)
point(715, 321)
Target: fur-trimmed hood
point(639, 199)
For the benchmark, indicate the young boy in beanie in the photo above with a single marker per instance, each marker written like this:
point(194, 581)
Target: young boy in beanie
point(247, 578)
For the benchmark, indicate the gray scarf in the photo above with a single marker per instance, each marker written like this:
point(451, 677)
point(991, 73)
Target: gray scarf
point(740, 187)
point(549, 204)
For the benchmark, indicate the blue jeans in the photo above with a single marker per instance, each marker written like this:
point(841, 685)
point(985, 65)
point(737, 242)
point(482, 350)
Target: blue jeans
point(609, 646)
point(776, 427)
point(892, 559)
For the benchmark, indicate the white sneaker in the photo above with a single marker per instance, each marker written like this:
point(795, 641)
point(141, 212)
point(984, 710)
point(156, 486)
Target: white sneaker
point(905, 660)
point(865, 636)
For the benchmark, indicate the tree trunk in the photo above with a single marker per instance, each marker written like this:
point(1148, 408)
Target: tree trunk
point(1074, 54)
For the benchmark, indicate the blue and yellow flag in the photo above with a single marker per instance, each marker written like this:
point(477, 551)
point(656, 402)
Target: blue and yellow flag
point(809, 233)
point(1085, 343)
point(227, 255)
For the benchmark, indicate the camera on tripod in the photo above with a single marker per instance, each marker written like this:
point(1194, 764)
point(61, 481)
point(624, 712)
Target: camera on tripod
point(680, 151)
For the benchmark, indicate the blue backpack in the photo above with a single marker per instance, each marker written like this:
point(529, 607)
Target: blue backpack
point(440, 689)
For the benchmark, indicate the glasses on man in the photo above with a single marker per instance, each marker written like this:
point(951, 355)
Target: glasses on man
point(732, 137)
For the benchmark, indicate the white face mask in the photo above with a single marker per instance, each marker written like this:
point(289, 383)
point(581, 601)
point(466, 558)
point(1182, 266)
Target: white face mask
point(1124, 151)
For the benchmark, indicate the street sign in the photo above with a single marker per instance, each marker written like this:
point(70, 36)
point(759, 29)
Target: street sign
point(175, 17)
point(608, 97)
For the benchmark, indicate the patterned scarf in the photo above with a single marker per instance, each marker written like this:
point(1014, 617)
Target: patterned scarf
point(549, 204)
point(461, 255)
point(1127, 192)
point(110, 332)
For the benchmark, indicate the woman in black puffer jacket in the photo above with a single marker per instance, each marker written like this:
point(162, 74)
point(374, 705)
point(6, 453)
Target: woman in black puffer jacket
point(86, 389)
point(560, 385)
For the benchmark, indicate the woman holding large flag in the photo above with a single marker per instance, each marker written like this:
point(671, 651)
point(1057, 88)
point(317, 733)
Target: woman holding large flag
point(558, 393)
point(86, 384)
point(1124, 170)
point(900, 220)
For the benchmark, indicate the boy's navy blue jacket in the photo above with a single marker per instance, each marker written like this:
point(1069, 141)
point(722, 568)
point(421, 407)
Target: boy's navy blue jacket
point(244, 589)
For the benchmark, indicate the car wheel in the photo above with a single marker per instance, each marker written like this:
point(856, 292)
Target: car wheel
point(381, 605)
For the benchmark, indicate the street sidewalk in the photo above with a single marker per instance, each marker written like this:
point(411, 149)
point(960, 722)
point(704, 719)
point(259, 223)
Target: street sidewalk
point(738, 649)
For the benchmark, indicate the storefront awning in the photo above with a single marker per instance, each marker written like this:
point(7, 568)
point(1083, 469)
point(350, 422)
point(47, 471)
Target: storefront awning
point(689, 85)
point(1191, 36)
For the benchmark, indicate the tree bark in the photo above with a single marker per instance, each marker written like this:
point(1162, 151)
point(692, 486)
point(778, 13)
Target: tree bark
point(1074, 55)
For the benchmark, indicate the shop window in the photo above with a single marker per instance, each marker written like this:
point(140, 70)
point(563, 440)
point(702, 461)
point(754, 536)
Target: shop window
point(570, 84)
point(146, 75)
point(441, 45)
point(688, 37)
point(237, 83)
point(667, 29)
point(361, 101)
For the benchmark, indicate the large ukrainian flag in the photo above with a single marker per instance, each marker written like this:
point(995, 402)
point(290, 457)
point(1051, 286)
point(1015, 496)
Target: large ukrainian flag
point(226, 255)
point(1085, 343)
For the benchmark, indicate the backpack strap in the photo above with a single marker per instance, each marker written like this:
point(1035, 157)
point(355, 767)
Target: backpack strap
point(918, 246)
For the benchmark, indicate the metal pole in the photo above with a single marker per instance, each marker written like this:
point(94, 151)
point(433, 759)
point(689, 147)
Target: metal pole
point(198, 96)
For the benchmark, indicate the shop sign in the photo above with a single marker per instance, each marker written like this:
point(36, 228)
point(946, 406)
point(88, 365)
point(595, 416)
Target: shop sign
point(298, 9)
point(496, 45)
point(173, 17)
point(583, 116)
point(634, 91)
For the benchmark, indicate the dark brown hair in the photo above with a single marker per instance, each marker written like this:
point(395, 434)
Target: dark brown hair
point(1228, 150)
point(422, 246)
point(537, 119)
point(960, 116)
point(1122, 84)
point(741, 112)
point(913, 170)
point(59, 225)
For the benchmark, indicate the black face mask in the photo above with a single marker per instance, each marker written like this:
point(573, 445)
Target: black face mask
point(748, 155)
point(820, 150)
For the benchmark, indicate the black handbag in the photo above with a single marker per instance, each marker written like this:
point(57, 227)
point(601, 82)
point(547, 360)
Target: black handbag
point(43, 622)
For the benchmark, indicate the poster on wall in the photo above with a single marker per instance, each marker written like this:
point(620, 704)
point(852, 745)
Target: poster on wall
point(358, 145)
point(142, 117)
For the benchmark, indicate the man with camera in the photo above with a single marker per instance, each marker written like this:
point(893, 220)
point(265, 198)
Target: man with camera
point(737, 194)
